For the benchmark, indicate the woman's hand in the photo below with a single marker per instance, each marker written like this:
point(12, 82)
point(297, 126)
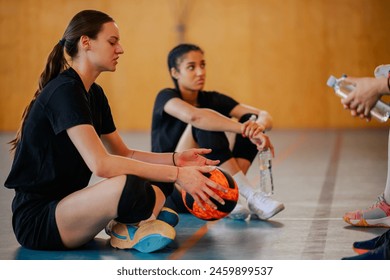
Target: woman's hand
point(361, 100)
point(263, 142)
point(251, 128)
point(193, 157)
point(255, 132)
point(194, 182)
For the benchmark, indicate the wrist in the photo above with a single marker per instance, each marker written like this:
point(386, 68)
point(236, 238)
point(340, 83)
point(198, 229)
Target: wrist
point(388, 84)
point(177, 174)
point(384, 85)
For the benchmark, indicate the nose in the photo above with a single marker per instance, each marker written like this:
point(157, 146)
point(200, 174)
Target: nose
point(200, 71)
point(120, 49)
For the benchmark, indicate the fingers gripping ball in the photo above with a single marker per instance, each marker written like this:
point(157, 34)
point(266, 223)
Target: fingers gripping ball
point(230, 197)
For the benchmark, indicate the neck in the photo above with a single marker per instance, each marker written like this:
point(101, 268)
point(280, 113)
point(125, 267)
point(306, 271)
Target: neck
point(190, 96)
point(87, 74)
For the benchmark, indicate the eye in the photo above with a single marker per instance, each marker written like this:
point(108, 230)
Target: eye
point(191, 67)
point(203, 65)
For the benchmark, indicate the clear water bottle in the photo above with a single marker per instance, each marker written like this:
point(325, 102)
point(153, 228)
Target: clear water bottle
point(381, 111)
point(265, 166)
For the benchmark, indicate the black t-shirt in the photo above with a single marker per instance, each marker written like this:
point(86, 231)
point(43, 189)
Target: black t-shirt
point(46, 162)
point(167, 130)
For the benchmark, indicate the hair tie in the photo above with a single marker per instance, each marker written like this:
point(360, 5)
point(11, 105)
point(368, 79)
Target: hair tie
point(62, 42)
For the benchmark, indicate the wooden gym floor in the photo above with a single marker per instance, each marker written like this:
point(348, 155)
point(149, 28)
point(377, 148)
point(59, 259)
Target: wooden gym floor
point(318, 174)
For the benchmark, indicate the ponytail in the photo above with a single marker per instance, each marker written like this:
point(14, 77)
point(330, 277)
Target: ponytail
point(56, 63)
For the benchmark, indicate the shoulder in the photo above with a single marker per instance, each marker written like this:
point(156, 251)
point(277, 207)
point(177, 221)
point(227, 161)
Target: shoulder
point(168, 91)
point(166, 94)
point(60, 87)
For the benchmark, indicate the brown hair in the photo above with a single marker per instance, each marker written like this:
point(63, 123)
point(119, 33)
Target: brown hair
point(88, 23)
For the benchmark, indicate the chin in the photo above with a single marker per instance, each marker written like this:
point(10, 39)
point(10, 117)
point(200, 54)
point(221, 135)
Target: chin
point(199, 87)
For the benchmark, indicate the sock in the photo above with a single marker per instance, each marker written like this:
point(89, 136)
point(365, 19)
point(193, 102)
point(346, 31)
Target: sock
point(244, 186)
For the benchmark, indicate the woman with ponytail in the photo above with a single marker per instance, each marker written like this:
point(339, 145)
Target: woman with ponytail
point(187, 116)
point(59, 145)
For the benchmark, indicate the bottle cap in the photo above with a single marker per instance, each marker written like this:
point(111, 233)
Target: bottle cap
point(332, 81)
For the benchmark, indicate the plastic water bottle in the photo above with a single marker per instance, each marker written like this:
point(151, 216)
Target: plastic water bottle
point(381, 111)
point(265, 166)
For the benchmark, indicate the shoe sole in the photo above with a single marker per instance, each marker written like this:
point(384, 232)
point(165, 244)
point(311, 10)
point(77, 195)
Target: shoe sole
point(266, 216)
point(239, 216)
point(360, 251)
point(383, 222)
point(150, 237)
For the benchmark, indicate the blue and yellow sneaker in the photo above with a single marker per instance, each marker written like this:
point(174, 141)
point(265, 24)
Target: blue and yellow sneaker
point(169, 216)
point(166, 215)
point(149, 237)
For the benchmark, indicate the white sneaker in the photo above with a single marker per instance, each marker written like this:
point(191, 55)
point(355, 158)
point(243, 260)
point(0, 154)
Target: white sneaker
point(263, 206)
point(241, 211)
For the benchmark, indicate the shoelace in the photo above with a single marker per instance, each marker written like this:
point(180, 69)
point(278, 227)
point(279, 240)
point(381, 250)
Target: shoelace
point(380, 199)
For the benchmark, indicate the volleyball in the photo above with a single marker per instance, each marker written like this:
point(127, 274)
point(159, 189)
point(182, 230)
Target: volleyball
point(230, 197)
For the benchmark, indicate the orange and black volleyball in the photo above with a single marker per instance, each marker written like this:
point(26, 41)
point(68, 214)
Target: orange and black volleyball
point(230, 197)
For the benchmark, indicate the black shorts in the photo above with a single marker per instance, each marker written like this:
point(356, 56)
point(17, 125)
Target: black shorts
point(34, 222)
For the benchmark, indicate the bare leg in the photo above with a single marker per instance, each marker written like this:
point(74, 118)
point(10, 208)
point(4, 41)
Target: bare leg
point(83, 214)
point(387, 188)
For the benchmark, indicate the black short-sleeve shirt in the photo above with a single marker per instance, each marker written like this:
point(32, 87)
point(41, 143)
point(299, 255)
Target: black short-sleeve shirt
point(167, 130)
point(46, 161)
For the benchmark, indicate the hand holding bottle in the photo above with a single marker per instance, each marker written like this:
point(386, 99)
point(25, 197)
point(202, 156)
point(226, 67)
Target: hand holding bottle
point(366, 93)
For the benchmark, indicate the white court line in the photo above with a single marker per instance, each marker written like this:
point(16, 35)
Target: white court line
point(307, 219)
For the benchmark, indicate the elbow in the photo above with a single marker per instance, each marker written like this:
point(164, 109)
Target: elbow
point(99, 168)
point(192, 120)
point(100, 173)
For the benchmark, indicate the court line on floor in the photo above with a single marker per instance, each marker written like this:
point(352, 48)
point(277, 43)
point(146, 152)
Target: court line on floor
point(316, 239)
point(307, 219)
point(192, 240)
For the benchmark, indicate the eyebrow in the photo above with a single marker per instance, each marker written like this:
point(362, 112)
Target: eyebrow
point(193, 62)
point(114, 37)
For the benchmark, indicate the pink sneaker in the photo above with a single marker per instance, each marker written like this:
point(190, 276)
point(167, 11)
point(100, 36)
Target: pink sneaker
point(378, 215)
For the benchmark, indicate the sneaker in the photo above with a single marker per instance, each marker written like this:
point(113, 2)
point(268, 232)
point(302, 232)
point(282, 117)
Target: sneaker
point(146, 238)
point(380, 253)
point(263, 206)
point(378, 215)
point(362, 247)
point(109, 226)
point(241, 211)
point(166, 215)
point(169, 216)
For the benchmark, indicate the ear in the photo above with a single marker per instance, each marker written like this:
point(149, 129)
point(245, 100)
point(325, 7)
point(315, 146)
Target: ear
point(174, 73)
point(85, 42)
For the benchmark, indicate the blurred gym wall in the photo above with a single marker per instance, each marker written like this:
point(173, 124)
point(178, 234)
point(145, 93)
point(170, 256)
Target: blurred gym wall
point(272, 54)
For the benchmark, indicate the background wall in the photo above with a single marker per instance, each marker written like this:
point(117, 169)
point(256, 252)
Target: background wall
point(272, 54)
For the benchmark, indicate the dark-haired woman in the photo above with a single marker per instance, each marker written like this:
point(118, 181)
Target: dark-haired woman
point(59, 146)
point(187, 116)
